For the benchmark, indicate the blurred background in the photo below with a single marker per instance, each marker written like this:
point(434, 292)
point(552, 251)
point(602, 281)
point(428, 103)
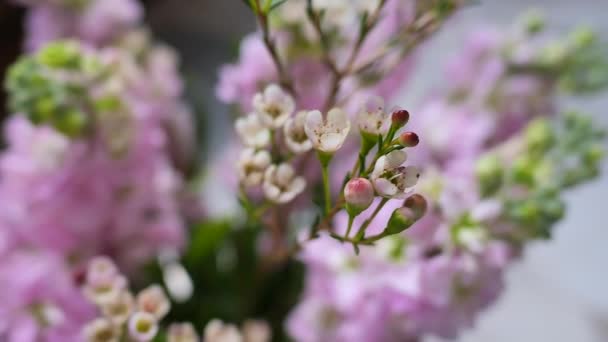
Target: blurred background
point(558, 291)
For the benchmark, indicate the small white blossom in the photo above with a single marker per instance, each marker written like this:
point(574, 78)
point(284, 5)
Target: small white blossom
point(327, 135)
point(182, 332)
point(274, 106)
point(119, 308)
point(218, 331)
point(295, 134)
point(143, 327)
point(178, 281)
point(252, 132)
point(101, 330)
point(390, 178)
point(256, 331)
point(105, 289)
point(154, 301)
point(281, 185)
point(252, 165)
point(373, 119)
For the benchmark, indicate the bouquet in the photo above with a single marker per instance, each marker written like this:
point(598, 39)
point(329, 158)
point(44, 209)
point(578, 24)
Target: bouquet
point(359, 218)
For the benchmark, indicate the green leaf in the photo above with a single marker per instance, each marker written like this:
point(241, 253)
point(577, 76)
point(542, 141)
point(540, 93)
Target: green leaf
point(275, 4)
point(205, 239)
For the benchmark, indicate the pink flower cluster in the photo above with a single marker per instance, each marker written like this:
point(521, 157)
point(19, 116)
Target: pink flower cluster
point(438, 276)
point(95, 22)
point(115, 192)
point(239, 82)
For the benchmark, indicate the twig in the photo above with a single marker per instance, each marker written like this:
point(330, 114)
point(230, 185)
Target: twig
point(284, 79)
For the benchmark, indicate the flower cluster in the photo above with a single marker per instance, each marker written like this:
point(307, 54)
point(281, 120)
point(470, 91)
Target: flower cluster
point(89, 168)
point(95, 22)
point(95, 172)
point(302, 44)
point(126, 316)
point(497, 162)
point(266, 160)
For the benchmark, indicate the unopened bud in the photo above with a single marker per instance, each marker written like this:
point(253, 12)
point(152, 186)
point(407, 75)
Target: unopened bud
point(400, 118)
point(409, 139)
point(359, 195)
point(403, 218)
point(489, 173)
point(417, 203)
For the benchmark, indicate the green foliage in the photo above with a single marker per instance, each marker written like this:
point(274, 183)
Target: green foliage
point(232, 281)
point(552, 158)
point(51, 86)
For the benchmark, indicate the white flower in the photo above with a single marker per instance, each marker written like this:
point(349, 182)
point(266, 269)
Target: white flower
point(252, 166)
point(119, 308)
point(295, 134)
point(182, 332)
point(256, 331)
point(218, 331)
point(274, 106)
point(101, 330)
point(373, 119)
point(281, 185)
point(143, 327)
point(178, 281)
point(105, 289)
point(154, 301)
point(390, 178)
point(327, 135)
point(252, 132)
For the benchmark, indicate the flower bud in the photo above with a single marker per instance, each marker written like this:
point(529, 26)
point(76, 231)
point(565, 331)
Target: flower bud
point(417, 203)
point(403, 218)
point(400, 118)
point(153, 301)
point(489, 173)
point(540, 136)
point(142, 327)
point(359, 195)
point(409, 139)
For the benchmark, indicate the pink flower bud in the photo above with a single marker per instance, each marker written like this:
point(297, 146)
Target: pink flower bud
point(417, 203)
point(409, 139)
point(400, 118)
point(359, 195)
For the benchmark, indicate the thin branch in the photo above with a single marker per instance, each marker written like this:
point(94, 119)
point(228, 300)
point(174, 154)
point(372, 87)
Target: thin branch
point(284, 78)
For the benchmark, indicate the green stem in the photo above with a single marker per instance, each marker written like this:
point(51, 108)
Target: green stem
point(361, 233)
point(326, 189)
point(351, 219)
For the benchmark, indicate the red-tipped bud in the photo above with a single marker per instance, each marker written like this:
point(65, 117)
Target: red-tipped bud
point(409, 139)
point(403, 218)
point(359, 195)
point(417, 203)
point(400, 118)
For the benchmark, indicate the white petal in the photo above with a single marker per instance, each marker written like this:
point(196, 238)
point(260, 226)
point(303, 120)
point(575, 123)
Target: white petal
point(385, 188)
point(331, 142)
point(412, 174)
point(298, 185)
point(395, 159)
point(274, 94)
point(336, 118)
point(284, 174)
point(314, 121)
point(379, 167)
